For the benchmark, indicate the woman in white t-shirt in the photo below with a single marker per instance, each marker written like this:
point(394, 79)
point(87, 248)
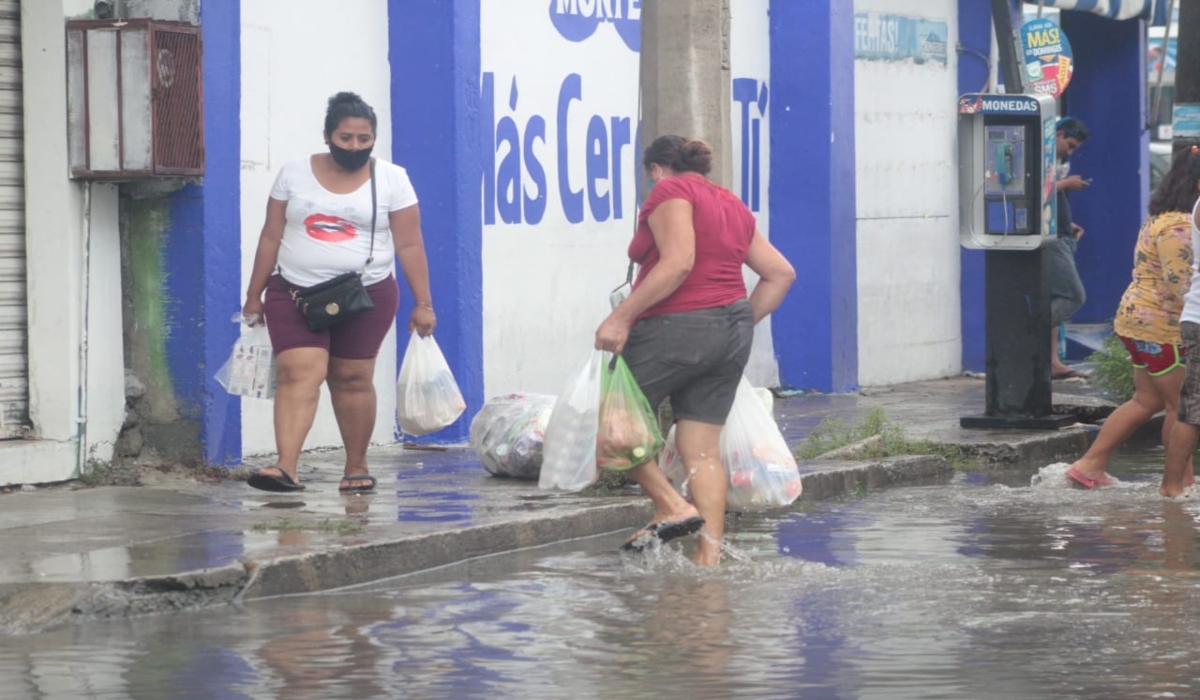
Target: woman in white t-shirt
point(318, 226)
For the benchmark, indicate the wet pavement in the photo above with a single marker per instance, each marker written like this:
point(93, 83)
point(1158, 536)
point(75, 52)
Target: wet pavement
point(80, 554)
point(981, 586)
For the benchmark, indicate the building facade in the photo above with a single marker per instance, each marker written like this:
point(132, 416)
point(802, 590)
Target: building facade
point(518, 124)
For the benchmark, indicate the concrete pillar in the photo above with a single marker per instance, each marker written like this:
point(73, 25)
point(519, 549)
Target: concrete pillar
point(201, 262)
point(975, 38)
point(812, 191)
point(1108, 92)
point(685, 76)
point(440, 139)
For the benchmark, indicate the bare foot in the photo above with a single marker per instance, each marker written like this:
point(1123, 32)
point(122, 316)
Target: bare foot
point(685, 514)
point(1171, 492)
point(1086, 468)
point(708, 551)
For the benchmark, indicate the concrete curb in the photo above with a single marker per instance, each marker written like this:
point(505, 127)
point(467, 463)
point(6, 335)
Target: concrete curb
point(27, 609)
point(373, 562)
point(1035, 449)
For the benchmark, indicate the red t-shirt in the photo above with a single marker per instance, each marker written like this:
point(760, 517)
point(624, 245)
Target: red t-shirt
point(724, 228)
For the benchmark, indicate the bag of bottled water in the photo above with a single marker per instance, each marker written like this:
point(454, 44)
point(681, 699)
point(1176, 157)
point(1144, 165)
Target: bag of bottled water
point(569, 456)
point(509, 434)
point(427, 397)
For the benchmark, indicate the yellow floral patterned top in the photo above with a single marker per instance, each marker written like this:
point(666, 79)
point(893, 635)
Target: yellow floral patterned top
point(1162, 274)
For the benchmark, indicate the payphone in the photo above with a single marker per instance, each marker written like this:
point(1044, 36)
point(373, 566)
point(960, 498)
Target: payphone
point(1006, 147)
point(1008, 208)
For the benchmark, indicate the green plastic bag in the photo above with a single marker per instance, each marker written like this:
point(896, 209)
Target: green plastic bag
point(628, 435)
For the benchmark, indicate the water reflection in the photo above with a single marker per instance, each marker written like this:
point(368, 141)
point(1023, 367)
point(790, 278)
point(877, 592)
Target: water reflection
point(974, 589)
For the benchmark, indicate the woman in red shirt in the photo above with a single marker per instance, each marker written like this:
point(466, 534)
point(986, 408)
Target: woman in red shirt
point(687, 327)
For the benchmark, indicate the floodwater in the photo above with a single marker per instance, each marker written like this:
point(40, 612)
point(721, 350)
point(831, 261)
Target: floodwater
point(984, 587)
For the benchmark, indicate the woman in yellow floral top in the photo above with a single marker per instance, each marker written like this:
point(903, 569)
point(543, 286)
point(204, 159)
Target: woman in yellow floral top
point(1147, 319)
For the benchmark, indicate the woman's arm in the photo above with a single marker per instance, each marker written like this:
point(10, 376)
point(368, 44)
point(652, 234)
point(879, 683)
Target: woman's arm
point(675, 237)
point(265, 257)
point(410, 250)
point(775, 273)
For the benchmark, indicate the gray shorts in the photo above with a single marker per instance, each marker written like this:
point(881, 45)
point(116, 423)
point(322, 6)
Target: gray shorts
point(697, 358)
point(1189, 393)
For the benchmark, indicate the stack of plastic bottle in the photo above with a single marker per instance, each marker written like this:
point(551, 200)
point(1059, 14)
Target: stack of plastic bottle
point(509, 434)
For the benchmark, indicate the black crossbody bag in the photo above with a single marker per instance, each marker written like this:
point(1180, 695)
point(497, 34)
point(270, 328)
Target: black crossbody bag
point(343, 297)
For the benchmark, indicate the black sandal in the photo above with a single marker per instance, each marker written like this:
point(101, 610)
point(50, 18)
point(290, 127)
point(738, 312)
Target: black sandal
point(276, 484)
point(662, 533)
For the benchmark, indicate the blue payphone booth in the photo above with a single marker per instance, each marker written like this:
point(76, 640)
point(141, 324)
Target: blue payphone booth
point(1006, 149)
point(1008, 207)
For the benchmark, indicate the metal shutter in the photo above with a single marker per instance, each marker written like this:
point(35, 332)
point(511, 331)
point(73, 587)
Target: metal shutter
point(14, 345)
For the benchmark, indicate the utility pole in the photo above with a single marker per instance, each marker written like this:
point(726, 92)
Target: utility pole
point(1009, 46)
point(685, 78)
point(1016, 300)
point(1186, 127)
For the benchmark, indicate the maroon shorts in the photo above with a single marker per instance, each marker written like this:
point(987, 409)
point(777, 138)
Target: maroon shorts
point(356, 339)
point(1155, 358)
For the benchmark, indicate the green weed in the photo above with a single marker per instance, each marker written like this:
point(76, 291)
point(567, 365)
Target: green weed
point(833, 434)
point(1113, 372)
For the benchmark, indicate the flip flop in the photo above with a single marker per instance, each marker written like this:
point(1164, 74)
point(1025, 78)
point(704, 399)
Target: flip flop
point(276, 484)
point(357, 478)
point(1088, 482)
point(1070, 374)
point(662, 533)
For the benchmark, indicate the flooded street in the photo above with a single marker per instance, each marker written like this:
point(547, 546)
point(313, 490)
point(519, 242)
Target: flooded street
point(984, 587)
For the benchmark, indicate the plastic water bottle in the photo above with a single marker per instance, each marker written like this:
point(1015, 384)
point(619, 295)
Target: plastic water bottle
point(1062, 341)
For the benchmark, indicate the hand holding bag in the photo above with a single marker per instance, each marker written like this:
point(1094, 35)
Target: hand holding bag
point(342, 297)
point(628, 435)
point(427, 397)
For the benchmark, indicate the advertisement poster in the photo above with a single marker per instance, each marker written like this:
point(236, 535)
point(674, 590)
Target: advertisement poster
point(1048, 61)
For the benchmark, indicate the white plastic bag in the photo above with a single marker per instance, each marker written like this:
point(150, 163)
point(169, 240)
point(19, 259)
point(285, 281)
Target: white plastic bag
point(569, 456)
point(761, 468)
point(250, 369)
point(427, 397)
point(509, 434)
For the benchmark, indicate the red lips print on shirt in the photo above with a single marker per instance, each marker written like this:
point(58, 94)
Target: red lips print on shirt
point(331, 229)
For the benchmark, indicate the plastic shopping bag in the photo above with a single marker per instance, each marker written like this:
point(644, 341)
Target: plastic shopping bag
point(761, 468)
point(629, 434)
point(569, 459)
point(250, 369)
point(509, 434)
point(427, 397)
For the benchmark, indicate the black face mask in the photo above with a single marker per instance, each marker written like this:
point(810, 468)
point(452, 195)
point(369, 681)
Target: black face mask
point(350, 160)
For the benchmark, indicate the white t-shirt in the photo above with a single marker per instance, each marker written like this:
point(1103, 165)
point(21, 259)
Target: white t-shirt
point(329, 234)
point(1191, 301)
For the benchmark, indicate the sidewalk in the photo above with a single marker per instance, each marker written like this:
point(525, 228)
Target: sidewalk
point(71, 553)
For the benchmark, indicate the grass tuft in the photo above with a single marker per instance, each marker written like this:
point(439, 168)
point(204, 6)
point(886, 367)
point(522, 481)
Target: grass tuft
point(1113, 372)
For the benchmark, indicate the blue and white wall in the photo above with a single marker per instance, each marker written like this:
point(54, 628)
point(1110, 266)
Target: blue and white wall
point(287, 76)
point(907, 181)
point(560, 101)
point(517, 121)
point(750, 66)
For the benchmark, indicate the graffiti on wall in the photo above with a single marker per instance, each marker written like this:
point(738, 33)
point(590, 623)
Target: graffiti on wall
point(882, 37)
